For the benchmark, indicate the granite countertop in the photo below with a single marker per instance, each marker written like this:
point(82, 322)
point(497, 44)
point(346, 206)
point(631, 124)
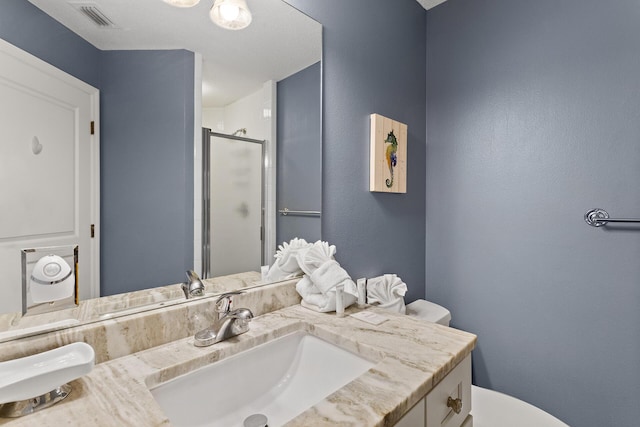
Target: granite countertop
point(411, 357)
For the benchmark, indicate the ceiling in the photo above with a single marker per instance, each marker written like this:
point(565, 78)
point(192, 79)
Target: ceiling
point(279, 42)
point(428, 4)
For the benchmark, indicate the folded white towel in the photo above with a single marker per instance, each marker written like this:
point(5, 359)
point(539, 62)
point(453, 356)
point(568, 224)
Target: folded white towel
point(387, 292)
point(329, 275)
point(314, 255)
point(325, 303)
point(306, 288)
point(286, 264)
point(325, 307)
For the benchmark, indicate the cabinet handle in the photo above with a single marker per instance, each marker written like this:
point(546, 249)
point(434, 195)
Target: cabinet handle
point(455, 404)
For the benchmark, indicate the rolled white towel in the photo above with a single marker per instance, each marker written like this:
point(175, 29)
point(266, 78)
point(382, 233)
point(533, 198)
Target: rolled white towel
point(329, 275)
point(286, 264)
point(387, 292)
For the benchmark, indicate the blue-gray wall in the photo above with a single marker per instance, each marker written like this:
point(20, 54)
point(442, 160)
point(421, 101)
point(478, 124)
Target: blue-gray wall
point(27, 27)
point(146, 147)
point(534, 118)
point(146, 157)
point(299, 158)
point(373, 62)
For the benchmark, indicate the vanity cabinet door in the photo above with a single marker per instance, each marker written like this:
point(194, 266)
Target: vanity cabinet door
point(449, 403)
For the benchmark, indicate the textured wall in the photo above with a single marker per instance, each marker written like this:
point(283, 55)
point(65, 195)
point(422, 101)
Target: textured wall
point(147, 150)
point(534, 118)
point(27, 27)
point(299, 155)
point(373, 62)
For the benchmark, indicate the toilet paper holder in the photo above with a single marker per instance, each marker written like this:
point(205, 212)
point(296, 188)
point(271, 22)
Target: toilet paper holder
point(49, 279)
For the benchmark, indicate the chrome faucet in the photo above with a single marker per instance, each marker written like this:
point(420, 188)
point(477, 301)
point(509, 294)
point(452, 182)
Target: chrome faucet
point(228, 323)
point(193, 287)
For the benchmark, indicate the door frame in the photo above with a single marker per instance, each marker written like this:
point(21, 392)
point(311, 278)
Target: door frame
point(206, 195)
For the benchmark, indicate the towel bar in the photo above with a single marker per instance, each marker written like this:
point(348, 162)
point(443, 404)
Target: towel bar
point(600, 217)
point(286, 211)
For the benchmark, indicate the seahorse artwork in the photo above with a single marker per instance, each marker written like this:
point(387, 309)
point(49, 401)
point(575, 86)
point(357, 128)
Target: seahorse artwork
point(387, 155)
point(392, 156)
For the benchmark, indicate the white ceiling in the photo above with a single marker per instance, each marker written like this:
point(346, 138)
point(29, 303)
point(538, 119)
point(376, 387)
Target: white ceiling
point(279, 42)
point(428, 4)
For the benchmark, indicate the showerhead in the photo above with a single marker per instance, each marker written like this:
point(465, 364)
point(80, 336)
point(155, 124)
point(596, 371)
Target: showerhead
point(241, 130)
point(193, 287)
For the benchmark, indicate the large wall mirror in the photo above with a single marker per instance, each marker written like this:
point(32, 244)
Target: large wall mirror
point(164, 74)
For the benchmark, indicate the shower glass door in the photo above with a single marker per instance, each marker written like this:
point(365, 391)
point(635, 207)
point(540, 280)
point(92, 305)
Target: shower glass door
point(235, 205)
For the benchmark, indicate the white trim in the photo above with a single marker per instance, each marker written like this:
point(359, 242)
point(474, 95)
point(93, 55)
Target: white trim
point(95, 191)
point(197, 164)
point(270, 95)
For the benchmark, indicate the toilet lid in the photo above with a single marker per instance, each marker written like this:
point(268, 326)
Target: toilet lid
point(493, 409)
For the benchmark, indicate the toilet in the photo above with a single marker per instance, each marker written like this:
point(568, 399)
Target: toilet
point(489, 408)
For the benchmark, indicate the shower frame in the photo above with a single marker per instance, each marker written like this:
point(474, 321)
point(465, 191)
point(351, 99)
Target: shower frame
point(206, 195)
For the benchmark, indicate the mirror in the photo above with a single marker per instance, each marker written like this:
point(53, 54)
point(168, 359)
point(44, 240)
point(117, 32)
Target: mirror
point(149, 206)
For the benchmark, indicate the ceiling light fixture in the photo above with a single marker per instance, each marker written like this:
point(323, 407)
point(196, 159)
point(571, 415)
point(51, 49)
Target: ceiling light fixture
point(182, 3)
point(231, 14)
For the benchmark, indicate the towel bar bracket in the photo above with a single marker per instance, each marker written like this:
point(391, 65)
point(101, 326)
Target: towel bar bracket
point(596, 217)
point(600, 217)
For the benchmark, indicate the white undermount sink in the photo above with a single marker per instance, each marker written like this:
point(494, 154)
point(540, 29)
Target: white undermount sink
point(280, 379)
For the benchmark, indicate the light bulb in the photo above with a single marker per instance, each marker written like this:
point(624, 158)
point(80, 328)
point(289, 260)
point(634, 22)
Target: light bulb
point(229, 12)
point(182, 3)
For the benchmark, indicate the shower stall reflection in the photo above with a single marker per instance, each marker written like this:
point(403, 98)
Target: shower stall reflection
point(233, 204)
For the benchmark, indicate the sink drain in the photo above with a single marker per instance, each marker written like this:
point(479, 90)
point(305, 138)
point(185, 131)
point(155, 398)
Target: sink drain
point(256, 420)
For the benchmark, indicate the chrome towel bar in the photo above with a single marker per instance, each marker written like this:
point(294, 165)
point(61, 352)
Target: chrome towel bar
point(600, 217)
point(286, 211)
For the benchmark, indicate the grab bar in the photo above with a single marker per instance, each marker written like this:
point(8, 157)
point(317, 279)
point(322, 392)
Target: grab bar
point(286, 211)
point(600, 217)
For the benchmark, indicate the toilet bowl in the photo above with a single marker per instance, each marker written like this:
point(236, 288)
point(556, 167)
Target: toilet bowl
point(489, 408)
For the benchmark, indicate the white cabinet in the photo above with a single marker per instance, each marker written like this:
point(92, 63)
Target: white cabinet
point(447, 405)
point(416, 417)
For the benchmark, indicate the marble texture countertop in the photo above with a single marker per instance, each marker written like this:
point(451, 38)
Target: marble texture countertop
point(14, 325)
point(411, 357)
point(120, 336)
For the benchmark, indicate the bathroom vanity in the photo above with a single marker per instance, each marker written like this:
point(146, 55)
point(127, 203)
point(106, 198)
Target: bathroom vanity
point(447, 405)
point(417, 368)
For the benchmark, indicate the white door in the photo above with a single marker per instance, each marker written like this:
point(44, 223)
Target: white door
point(48, 169)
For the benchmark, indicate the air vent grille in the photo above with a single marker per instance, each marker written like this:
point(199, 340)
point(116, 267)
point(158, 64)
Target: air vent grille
point(91, 11)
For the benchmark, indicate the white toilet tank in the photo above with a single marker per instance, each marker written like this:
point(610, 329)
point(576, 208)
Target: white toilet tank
point(429, 311)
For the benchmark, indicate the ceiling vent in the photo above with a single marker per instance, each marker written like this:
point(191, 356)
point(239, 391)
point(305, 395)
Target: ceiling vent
point(98, 17)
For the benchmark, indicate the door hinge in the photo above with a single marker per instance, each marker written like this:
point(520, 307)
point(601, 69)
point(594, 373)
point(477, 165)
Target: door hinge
point(261, 233)
point(93, 127)
point(93, 231)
